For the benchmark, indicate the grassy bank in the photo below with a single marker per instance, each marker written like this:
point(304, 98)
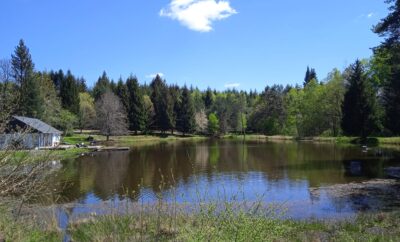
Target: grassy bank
point(129, 139)
point(13, 229)
point(209, 224)
point(140, 139)
point(41, 155)
point(236, 226)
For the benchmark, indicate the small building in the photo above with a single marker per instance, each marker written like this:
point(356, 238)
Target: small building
point(29, 133)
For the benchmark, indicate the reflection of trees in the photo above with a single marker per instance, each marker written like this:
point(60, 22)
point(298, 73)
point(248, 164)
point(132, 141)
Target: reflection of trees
point(116, 173)
point(110, 173)
point(214, 154)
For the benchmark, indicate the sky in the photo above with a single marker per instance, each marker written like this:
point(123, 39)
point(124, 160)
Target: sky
point(242, 44)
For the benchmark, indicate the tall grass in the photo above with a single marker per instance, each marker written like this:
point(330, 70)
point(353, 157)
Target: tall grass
point(226, 218)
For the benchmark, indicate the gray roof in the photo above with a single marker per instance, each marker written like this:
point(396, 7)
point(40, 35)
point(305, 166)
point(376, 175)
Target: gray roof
point(38, 125)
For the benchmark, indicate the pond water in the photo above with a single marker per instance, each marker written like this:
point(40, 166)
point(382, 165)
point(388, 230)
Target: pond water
point(296, 175)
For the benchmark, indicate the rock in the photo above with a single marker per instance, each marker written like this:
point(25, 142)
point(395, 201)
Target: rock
point(2, 238)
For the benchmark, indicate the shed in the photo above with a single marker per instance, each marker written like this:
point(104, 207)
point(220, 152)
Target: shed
point(29, 133)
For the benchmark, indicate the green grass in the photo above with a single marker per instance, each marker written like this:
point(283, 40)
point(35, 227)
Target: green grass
point(129, 139)
point(389, 140)
point(21, 229)
point(81, 138)
point(230, 225)
point(43, 155)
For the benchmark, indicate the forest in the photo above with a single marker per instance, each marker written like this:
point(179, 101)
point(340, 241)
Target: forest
point(361, 100)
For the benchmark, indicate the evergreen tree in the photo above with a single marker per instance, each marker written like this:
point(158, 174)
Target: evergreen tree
point(113, 86)
point(57, 78)
point(310, 75)
point(208, 98)
point(122, 93)
point(175, 94)
point(136, 109)
point(186, 118)
point(389, 28)
point(359, 105)
point(22, 64)
point(307, 77)
point(161, 100)
point(102, 86)
point(69, 93)
point(82, 87)
point(30, 103)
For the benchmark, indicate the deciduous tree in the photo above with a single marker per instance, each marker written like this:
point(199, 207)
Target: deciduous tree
point(111, 116)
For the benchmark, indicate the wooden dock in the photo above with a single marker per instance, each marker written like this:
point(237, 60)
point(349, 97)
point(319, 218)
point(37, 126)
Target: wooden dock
point(107, 148)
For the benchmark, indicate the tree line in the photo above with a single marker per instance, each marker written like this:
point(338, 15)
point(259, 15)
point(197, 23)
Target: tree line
point(361, 100)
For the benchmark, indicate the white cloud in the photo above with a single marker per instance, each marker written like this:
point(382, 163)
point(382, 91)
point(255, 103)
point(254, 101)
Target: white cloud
point(152, 76)
point(198, 15)
point(366, 16)
point(232, 85)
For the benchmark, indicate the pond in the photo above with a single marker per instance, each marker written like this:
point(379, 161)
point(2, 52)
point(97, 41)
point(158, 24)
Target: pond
point(306, 178)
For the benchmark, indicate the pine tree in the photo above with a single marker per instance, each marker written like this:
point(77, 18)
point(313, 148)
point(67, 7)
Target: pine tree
point(208, 98)
point(102, 86)
point(57, 78)
point(22, 64)
point(161, 100)
point(175, 94)
point(310, 75)
point(30, 103)
point(122, 93)
point(82, 87)
point(186, 116)
point(389, 28)
point(136, 109)
point(359, 105)
point(307, 77)
point(69, 93)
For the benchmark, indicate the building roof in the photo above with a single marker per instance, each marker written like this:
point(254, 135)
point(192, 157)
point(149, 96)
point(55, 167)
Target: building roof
point(38, 125)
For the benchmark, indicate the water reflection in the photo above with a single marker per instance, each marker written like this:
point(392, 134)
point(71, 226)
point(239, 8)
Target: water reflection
point(283, 172)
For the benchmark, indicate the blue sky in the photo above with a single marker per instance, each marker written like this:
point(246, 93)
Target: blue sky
point(243, 43)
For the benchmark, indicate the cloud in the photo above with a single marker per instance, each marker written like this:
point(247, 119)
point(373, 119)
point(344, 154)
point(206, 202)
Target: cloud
point(232, 85)
point(366, 16)
point(198, 15)
point(152, 76)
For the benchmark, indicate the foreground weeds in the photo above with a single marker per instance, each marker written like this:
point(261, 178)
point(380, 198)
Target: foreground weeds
point(12, 229)
point(231, 223)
